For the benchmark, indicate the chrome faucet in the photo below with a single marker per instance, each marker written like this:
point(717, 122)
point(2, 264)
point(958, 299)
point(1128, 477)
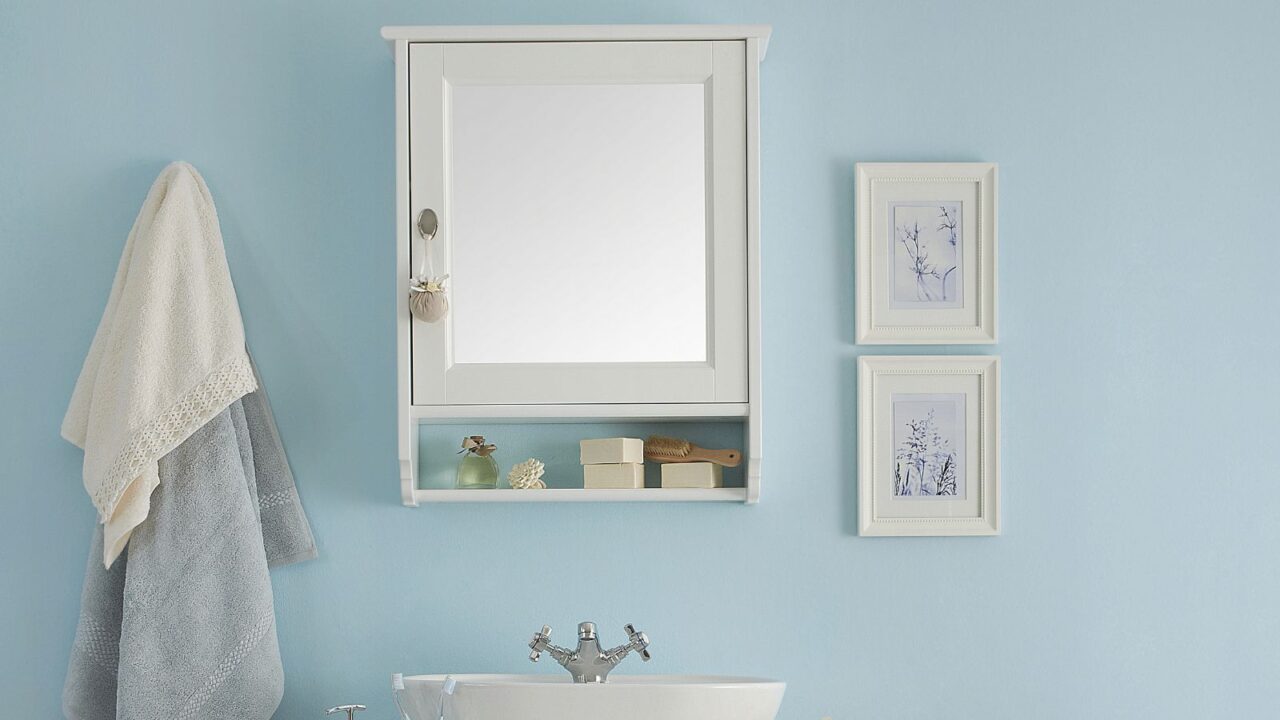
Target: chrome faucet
point(589, 664)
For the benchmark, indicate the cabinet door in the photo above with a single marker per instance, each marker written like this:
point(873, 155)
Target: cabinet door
point(592, 220)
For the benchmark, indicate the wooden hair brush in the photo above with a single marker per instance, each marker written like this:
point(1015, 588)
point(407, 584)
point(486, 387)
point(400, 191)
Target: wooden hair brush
point(673, 450)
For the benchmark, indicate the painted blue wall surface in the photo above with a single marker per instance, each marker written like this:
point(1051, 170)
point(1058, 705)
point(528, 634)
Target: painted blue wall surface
point(1137, 575)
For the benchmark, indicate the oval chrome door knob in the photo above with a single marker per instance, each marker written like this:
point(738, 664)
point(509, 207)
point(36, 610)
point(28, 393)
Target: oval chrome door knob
point(428, 223)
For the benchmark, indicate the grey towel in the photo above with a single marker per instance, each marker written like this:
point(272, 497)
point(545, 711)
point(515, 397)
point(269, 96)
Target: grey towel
point(182, 625)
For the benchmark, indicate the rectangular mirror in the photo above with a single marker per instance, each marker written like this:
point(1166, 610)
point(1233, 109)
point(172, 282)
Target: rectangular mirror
point(579, 223)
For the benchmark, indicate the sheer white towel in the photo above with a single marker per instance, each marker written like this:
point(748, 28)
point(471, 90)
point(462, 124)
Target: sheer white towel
point(169, 354)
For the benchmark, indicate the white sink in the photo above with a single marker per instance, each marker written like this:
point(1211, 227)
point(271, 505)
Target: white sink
point(624, 697)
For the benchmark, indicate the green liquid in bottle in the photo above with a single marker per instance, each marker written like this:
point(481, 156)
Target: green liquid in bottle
point(477, 472)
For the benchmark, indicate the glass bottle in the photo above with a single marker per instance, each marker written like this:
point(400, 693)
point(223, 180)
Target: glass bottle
point(477, 470)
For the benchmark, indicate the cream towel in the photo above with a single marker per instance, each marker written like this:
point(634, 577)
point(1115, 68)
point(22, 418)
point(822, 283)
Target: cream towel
point(168, 356)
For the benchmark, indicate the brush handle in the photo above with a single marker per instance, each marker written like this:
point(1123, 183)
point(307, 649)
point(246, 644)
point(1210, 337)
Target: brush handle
point(727, 458)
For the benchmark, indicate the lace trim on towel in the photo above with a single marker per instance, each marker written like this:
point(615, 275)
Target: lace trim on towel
point(214, 394)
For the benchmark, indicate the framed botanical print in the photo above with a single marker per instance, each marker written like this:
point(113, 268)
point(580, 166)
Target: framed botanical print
point(928, 445)
point(926, 253)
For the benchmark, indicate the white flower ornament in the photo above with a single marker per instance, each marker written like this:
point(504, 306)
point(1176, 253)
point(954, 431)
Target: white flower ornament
point(527, 475)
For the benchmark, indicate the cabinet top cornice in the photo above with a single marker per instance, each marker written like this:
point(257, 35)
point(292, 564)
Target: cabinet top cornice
point(576, 33)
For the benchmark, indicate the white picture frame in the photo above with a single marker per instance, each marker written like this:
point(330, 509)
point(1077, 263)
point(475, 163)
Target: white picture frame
point(928, 445)
point(942, 291)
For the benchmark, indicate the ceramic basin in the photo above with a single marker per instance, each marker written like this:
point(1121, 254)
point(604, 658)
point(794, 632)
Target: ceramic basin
point(624, 697)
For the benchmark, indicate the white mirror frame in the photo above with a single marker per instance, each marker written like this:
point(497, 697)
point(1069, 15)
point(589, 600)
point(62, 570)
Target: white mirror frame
point(437, 68)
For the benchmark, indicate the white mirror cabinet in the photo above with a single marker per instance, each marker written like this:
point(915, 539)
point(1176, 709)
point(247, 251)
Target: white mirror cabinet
point(587, 198)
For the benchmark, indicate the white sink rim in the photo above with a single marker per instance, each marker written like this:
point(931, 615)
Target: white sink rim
point(555, 696)
point(716, 681)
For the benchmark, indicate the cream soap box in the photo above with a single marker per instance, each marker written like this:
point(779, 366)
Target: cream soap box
point(613, 476)
point(692, 475)
point(612, 450)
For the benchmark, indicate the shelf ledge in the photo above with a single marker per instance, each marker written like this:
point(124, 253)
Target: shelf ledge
point(583, 495)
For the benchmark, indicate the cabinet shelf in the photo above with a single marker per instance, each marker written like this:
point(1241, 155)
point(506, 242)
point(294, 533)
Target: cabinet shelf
point(737, 495)
point(555, 441)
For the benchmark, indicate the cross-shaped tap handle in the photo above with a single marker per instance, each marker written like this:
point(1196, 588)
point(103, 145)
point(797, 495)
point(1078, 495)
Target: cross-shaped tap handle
point(539, 641)
point(350, 710)
point(638, 641)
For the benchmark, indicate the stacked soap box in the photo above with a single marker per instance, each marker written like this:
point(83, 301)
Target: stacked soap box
point(613, 463)
point(692, 475)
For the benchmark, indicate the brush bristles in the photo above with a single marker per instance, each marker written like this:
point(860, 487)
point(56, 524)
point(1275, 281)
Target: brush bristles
point(667, 446)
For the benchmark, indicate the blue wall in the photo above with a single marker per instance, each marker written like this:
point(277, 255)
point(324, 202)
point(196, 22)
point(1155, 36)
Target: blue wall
point(1137, 575)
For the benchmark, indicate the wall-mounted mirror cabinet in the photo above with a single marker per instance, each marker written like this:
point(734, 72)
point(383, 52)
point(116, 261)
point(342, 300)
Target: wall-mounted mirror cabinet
point(589, 196)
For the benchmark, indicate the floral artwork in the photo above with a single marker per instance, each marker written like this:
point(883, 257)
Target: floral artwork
point(928, 441)
point(925, 265)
